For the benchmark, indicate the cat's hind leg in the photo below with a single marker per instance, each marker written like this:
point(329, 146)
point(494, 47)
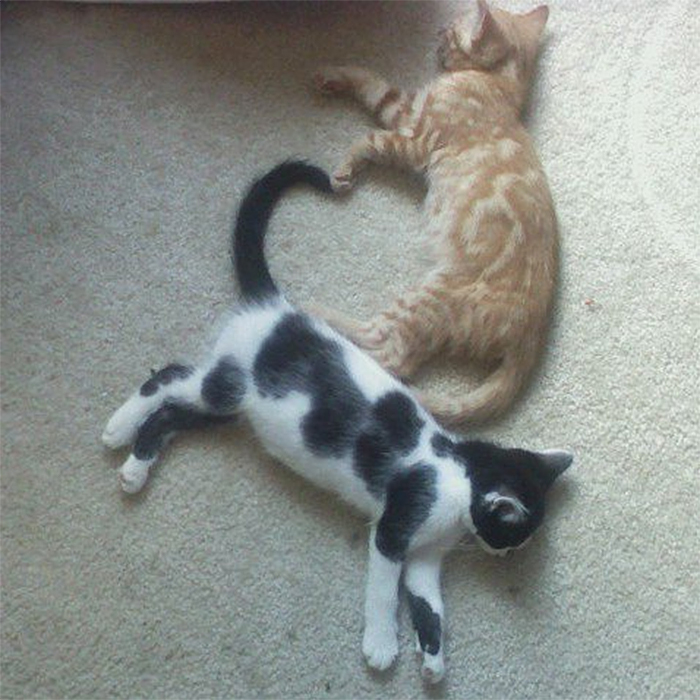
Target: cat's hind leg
point(401, 338)
point(172, 401)
point(122, 427)
point(153, 435)
point(376, 337)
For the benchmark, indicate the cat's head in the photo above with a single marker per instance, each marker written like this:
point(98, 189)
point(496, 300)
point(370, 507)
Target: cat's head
point(508, 489)
point(490, 39)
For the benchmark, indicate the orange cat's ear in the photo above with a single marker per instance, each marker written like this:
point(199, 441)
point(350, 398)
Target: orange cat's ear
point(537, 18)
point(484, 24)
point(488, 43)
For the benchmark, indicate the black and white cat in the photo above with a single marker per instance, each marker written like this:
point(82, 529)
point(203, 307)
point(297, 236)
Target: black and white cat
point(326, 409)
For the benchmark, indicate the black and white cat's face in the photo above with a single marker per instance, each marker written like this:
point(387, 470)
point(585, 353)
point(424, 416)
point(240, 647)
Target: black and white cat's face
point(508, 490)
point(509, 487)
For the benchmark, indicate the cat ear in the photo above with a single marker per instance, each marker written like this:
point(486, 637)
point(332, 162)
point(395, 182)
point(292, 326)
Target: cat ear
point(553, 463)
point(488, 44)
point(508, 508)
point(484, 24)
point(537, 18)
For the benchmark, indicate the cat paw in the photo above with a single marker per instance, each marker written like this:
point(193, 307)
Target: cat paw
point(373, 337)
point(433, 669)
point(133, 474)
point(342, 180)
point(330, 81)
point(380, 648)
point(121, 428)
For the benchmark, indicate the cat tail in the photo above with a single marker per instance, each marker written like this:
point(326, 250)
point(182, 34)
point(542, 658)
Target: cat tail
point(491, 398)
point(248, 253)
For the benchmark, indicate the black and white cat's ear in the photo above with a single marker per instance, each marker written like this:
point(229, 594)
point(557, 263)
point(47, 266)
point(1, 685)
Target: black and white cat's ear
point(509, 509)
point(553, 463)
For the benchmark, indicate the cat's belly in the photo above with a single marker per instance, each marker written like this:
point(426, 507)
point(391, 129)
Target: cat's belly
point(278, 424)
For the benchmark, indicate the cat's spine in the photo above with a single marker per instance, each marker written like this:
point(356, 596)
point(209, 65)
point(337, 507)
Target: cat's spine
point(248, 251)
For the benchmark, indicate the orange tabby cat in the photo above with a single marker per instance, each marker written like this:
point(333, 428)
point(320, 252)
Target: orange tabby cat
point(490, 217)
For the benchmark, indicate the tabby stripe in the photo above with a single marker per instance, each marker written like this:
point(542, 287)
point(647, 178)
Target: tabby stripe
point(404, 109)
point(390, 96)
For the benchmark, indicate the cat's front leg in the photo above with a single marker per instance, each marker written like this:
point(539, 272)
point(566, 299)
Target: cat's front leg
point(380, 644)
point(410, 496)
point(422, 581)
point(389, 105)
point(381, 146)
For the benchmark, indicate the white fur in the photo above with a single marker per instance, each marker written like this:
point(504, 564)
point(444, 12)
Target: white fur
point(379, 643)
point(134, 473)
point(122, 426)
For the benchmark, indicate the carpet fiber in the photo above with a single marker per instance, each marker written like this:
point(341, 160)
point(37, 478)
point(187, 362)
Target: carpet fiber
point(128, 135)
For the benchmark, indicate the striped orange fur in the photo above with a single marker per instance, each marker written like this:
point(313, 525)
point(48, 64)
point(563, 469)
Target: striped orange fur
point(489, 214)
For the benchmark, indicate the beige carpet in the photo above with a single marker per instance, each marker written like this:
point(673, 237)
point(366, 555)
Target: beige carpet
point(128, 135)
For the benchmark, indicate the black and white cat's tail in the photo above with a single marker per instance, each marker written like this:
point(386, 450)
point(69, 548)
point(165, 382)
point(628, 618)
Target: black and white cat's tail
point(248, 253)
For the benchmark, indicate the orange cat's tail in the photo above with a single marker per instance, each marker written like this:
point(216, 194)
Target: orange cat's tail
point(488, 400)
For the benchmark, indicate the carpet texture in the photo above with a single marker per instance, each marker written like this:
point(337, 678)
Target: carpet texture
point(128, 135)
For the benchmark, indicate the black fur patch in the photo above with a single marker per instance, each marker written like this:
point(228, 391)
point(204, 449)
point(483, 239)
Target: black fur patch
point(163, 377)
point(426, 622)
point(396, 413)
point(409, 500)
point(297, 358)
point(224, 387)
point(374, 461)
point(168, 419)
point(442, 445)
point(394, 431)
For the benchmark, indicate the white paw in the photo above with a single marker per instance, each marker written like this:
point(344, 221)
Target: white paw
point(122, 426)
point(433, 669)
point(133, 474)
point(380, 647)
point(114, 439)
